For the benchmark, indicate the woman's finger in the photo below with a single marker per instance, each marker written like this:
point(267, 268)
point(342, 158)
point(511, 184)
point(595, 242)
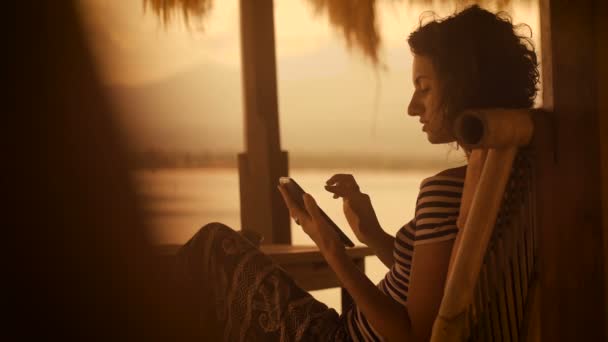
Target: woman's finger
point(312, 208)
point(340, 178)
point(294, 210)
point(341, 190)
point(286, 199)
point(337, 191)
point(344, 181)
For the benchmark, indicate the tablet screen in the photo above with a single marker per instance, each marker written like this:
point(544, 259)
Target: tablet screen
point(296, 192)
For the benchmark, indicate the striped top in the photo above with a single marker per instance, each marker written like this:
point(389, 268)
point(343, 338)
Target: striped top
point(435, 218)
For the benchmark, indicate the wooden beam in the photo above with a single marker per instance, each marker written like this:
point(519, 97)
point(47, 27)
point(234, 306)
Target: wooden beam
point(601, 28)
point(305, 264)
point(569, 197)
point(263, 162)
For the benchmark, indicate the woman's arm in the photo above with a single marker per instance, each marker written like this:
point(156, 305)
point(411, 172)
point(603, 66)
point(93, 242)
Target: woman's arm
point(383, 245)
point(362, 220)
point(427, 282)
point(393, 321)
point(361, 216)
point(388, 317)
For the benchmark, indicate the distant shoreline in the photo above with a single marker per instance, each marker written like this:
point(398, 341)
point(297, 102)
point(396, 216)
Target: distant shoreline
point(152, 160)
point(395, 167)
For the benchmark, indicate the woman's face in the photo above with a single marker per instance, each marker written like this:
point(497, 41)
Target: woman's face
point(425, 101)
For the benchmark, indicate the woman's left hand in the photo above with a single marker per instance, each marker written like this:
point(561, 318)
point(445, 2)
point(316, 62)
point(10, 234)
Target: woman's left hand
point(312, 222)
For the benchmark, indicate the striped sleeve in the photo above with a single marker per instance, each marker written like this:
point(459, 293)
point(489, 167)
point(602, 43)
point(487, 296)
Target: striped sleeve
point(437, 209)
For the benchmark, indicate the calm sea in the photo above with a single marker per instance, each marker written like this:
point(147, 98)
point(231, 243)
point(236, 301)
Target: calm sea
point(179, 201)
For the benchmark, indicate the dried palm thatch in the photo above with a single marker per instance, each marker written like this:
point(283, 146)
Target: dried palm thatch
point(165, 9)
point(356, 19)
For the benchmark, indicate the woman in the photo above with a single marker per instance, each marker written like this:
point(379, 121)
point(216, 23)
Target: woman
point(473, 59)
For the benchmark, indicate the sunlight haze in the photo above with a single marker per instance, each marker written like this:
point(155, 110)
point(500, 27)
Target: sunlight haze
point(179, 88)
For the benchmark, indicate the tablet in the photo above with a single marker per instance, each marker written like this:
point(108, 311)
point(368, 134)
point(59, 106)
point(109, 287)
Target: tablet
point(296, 192)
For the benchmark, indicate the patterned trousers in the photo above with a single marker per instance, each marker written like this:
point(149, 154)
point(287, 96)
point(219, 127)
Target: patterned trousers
point(250, 297)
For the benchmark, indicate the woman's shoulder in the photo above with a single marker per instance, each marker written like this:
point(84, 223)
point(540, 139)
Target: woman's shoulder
point(438, 205)
point(456, 172)
point(450, 177)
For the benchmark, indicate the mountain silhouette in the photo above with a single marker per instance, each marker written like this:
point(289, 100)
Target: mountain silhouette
point(335, 110)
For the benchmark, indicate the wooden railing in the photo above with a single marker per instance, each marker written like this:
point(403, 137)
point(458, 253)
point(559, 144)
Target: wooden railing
point(305, 264)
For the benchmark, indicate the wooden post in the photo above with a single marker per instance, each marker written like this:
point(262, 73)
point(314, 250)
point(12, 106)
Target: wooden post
point(263, 162)
point(569, 198)
point(601, 29)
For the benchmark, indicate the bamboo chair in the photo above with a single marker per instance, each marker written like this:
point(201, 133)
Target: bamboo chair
point(488, 291)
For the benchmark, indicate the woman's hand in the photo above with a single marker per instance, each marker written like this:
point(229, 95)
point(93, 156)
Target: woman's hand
point(312, 222)
point(390, 318)
point(357, 208)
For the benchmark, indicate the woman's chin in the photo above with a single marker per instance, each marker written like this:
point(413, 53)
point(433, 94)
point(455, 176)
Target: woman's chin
point(433, 139)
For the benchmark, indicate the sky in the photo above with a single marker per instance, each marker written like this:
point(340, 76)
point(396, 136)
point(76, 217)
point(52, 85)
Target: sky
point(179, 88)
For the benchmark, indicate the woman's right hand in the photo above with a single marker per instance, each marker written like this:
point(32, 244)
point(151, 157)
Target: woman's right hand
point(357, 208)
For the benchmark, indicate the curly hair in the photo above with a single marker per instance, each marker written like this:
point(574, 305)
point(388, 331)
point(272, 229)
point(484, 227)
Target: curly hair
point(481, 61)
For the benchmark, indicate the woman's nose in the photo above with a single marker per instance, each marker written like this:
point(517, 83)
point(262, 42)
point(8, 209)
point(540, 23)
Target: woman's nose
point(414, 108)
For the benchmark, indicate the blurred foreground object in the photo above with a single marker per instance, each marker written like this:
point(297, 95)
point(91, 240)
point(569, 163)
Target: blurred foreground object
point(84, 266)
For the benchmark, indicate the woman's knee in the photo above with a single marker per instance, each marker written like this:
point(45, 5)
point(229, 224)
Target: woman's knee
point(217, 229)
point(214, 228)
point(206, 234)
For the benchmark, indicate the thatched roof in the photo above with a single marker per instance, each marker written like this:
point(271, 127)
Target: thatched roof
point(165, 9)
point(355, 19)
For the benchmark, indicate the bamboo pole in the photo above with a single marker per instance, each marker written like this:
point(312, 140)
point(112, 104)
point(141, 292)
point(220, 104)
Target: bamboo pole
point(501, 131)
point(476, 234)
point(493, 128)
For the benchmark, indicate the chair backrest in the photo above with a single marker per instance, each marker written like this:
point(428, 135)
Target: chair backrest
point(500, 307)
point(488, 287)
